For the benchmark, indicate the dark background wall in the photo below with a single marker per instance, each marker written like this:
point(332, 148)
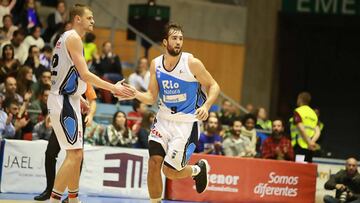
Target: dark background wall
point(321, 54)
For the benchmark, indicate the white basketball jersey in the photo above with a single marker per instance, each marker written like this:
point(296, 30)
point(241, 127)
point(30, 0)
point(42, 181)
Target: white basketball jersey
point(65, 79)
point(179, 91)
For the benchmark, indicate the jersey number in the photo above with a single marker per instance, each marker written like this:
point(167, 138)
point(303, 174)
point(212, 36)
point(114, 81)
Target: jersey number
point(55, 62)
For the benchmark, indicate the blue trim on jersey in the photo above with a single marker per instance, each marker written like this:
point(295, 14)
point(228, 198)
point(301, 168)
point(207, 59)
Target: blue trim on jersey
point(70, 84)
point(70, 127)
point(68, 121)
point(178, 95)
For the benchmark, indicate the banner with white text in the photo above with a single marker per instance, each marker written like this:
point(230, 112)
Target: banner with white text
point(107, 171)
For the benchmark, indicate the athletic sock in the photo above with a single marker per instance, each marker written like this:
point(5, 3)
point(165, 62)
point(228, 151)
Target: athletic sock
point(195, 170)
point(55, 196)
point(156, 200)
point(73, 196)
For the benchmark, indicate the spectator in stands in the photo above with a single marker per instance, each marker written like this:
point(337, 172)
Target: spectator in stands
point(118, 133)
point(249, 107)
point(46, 56)
point(12, 109)
point(7, 30)
point(90, 48)
point(235, 144)
point(306, 131)
point(66, 27)
point(347, 184)
point(95, 134)
point(226, 114)
point(34, 38)
point(29, 17)
point(210, 141)
point(24, 80)
point(39, 106)
point(144, 131)
point(108, 65)
point(20, 51)
point(33, 61)
point(262, 121)
point(40, 85)
point(19, 6)
point(55, 21)
point(5, 8)
point(7, 129)
point(277, 146)
point(248, 130)
point(43, 129)
point(135, 116)
point(10, 90)
point(8, 64)
point(141, 77)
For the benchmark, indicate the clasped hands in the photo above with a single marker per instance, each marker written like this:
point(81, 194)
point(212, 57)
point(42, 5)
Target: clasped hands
point(124, 91)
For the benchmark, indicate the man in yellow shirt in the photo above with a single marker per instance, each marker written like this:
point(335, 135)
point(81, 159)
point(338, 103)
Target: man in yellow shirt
point(306, 132)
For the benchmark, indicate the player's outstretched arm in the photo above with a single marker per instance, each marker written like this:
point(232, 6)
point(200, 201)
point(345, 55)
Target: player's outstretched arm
point(206, 80)
point(75, 49)
point(150, 96)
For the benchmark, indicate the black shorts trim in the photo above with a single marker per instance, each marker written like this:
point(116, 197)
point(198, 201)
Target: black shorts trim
point(156, 148)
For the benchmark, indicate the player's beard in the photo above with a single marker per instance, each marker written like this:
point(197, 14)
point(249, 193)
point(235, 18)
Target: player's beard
point(172, 51)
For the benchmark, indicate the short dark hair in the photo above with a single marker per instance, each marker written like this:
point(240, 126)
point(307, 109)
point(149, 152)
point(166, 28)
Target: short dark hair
point(171, 26)
point(18, 32)
point(247, 117)
point(77, 9)
point(281, 120)
point(46, 87)
point(60, 2)
point(7, 16)
point(90, 37)
point(236, 120)
point(8, 101)
point(33, 29)
point(305, 97)
point(47, 48)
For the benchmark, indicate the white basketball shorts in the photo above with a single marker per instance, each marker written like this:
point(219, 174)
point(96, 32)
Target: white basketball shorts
point(178, 139)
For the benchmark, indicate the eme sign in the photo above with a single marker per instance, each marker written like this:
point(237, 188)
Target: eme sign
point(331, 7)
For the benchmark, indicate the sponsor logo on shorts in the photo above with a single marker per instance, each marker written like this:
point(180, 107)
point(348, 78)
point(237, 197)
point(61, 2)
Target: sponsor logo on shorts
point(173, 154)
point(155, 133)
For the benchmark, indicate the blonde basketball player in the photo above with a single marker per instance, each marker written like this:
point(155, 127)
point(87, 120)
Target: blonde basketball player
point(69, 76)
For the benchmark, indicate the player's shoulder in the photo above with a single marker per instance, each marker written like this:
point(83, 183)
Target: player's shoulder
point(194, 62)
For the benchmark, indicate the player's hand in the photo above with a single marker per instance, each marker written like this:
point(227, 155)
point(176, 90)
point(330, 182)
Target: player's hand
point(123, 91)
point(312, 146)
point(88, 120)
point(127, 91)
point(202, 113)
point(84, 105)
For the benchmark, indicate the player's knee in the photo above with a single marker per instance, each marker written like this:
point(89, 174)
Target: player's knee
point(75, 155)
point(155, 162)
